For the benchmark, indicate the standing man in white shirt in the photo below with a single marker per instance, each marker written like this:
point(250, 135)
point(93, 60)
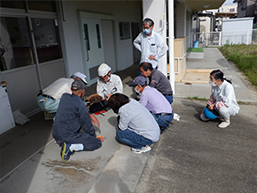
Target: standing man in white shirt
point(148, 42)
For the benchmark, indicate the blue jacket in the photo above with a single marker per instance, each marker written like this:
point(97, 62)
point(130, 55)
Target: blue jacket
point(72, 115)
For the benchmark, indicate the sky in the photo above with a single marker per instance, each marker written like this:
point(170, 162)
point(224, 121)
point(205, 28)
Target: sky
point(228, 2)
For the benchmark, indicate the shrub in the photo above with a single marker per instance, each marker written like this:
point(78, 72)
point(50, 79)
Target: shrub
point(245, 57)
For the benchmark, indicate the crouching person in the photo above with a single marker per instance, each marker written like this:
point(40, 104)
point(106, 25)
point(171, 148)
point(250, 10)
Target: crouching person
point(71, 117)
point(136, 126)
point(155, 102)
point(222, 102)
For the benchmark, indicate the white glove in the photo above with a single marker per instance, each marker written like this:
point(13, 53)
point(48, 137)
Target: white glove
point(176, 117)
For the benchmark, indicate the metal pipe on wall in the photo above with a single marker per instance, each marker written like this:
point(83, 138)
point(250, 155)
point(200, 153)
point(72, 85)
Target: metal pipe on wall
point(35, 54)
point(171, 43)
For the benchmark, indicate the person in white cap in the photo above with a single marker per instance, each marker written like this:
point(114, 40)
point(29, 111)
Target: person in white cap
point(48, 99)
point(107, 85)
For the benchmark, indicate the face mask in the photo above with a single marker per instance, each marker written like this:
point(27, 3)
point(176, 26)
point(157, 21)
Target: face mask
point(147, 31)
point(137, 91)
point(212, 83)
point(108, 79)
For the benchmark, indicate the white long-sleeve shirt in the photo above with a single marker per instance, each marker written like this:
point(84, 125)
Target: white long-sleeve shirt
point(224, 94)
point(149, 46)
point(58, 87)
point(111, 87)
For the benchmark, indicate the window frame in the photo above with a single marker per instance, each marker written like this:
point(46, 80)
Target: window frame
point(29, 15)
point(122, 29)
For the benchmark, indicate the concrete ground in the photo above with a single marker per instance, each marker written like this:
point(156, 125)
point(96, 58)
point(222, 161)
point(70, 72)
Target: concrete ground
point(191, 156)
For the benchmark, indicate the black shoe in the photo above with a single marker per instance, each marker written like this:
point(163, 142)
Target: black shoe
point(163, 129)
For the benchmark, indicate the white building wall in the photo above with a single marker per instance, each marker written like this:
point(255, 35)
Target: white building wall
point(121, 10)
point(23, 87)
point(156, 10)
point(237, 31)
point(22, 83)
point(180, 20)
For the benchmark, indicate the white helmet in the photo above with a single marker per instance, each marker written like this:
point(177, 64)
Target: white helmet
point(81, 76)
point(103, 69)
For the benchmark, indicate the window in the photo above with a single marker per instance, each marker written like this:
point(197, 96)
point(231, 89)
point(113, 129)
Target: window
point(16, 45)
point(42, 5)
point(86, 37)
point(98, 36)
point(124, 30)
point(13, 4)
point(46, 38)
point(48, 5)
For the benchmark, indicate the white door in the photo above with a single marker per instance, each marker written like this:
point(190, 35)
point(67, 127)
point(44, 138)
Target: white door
point(93, 47)
point(108, 41)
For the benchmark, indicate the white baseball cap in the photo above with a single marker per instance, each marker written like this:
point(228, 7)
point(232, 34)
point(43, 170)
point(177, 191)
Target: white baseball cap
point(81, 76)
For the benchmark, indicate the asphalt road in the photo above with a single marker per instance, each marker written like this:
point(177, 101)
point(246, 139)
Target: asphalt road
point(198, 157)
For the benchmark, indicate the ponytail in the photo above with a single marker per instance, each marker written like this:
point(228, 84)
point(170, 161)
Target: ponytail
point(218, 74)
point(229, 81)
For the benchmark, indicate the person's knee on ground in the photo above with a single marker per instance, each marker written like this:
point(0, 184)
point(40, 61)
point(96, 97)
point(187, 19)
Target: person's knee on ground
point(122, 137)
point(137, 147)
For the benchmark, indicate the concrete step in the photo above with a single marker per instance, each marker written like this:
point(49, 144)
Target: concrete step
point(200, 76)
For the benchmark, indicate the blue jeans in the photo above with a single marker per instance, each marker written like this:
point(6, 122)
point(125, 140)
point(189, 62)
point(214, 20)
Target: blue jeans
point(163, 120)
point(47, 104)
point(132, 139)
point(169, 98)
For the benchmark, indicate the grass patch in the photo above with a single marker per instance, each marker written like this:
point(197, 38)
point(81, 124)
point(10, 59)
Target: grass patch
point(197, 98)
point(245, 58)
point(195, 50)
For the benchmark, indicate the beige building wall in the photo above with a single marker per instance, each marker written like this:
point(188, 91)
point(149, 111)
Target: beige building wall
point(180, 58)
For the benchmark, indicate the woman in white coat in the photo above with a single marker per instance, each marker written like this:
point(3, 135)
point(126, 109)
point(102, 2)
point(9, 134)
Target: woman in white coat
point(222, 99)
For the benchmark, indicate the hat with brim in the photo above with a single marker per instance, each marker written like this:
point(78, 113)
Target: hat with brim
point(210, 114)
point(139, 80)
point(81, 76)
point(78, 85)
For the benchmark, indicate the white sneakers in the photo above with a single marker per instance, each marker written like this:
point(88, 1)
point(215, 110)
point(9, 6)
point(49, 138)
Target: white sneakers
point(144, 149)
point(224, 123)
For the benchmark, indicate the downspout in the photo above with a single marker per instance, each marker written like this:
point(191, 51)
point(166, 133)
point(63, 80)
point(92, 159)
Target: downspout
point(35, 54)
point(171, 43)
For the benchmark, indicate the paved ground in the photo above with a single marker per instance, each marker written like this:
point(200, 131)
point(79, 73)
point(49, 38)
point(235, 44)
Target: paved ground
point(198, 157)
point(191, 156)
